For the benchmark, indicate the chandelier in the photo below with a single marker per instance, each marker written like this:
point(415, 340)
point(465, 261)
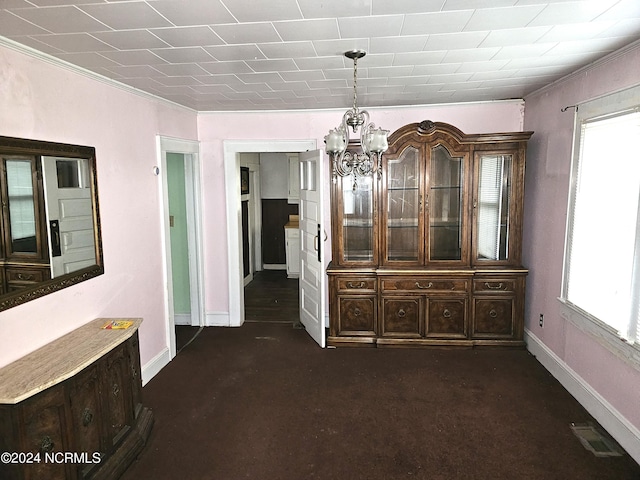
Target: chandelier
point(373, 141)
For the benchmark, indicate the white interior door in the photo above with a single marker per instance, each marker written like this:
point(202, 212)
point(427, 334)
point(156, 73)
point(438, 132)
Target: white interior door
point(70, 214)
point(312, 237)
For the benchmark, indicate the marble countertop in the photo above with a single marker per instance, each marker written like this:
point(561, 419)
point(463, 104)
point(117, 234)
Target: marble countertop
point(60, 359)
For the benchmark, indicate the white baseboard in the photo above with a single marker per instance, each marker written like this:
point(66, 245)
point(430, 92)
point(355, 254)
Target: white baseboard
point(153, 366)
point(182, 319)
point(274, 266)
point(217, 320)
point(625, 433)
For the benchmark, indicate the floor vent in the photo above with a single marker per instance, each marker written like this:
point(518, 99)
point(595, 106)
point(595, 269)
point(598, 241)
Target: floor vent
point(596, 440)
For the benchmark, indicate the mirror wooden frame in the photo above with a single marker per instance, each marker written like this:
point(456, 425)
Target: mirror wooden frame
point(38, 148)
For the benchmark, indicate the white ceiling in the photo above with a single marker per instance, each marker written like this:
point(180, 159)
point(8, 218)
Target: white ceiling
point(215, 55)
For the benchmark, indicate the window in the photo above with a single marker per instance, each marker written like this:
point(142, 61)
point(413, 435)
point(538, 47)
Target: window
point(602, 258)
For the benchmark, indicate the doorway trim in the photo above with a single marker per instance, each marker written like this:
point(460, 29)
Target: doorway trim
point(190, 149)
point(232, 149)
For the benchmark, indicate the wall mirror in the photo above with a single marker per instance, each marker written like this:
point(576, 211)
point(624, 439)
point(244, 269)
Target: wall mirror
point(49, 220)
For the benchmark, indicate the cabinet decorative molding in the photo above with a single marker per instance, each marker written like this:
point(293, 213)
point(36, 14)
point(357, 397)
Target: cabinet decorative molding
point(80, 395)
point(428, 251)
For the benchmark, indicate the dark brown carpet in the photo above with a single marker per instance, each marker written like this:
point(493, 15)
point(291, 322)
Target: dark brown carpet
point(264, 402)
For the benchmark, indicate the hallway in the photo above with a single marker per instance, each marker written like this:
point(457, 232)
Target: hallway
point(272, 297)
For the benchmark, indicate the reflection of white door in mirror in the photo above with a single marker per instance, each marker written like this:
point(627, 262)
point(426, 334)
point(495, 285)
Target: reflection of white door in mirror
point(67, 187)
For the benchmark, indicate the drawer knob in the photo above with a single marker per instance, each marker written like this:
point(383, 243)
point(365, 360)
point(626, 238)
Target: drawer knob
point(428, 285)
point(87, 417)
point(115, 389)
point(493, 313)
point(493, 286)
point(401, 313)
point(25, 276)
point(446, 313)
point(357, 312)
point(355, 285)
point(46, 444)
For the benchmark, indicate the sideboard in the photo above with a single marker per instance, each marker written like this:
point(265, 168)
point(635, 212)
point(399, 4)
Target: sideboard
point(73, 408)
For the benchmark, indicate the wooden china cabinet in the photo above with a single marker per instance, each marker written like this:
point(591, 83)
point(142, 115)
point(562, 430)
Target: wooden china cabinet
point(427, 251)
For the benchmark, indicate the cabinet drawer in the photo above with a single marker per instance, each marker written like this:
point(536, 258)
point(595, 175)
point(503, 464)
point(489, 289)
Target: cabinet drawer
point(360, 284)
point(26, 276)
point(493, 285)
point(425, 285)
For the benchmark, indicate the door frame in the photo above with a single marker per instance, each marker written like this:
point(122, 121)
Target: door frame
point(232, 149)
point(193, 191)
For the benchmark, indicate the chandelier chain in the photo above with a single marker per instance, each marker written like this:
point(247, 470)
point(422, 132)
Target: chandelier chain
point(355, 84)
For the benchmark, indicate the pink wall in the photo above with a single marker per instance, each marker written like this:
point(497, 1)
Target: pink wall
point(214, 128)
point(42, 101)
point(546, 196)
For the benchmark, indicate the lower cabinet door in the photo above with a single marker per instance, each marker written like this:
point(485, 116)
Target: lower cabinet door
point(356, 315)
point(446, 318)
point(117, 387)
point(86, 415)
point(402, 317)
point(45, 434)
point(494, 318)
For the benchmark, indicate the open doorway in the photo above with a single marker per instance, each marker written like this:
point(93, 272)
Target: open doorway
point(269, 184)
point(233, 158)
point(182, 239)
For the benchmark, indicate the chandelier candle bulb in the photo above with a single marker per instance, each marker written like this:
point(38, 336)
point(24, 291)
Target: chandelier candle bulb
point(378, 140)
point(335, 141)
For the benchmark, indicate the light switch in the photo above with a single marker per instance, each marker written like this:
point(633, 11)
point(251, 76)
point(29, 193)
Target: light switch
point(171, 220)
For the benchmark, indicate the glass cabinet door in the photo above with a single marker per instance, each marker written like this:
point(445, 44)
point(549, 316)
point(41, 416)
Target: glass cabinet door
point(357, 219)
point(493, 207)
point(21, 234)
point(445, 205)
point(403, 207)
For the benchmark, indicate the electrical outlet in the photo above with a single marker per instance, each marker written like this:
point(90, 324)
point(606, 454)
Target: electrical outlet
point(541, 319)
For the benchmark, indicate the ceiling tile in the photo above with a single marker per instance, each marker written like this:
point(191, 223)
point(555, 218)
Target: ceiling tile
point(74, 42)
point(441, 22)
point(334, 8)
point(183, 55)
point(89, 60)
point(273, 10)
point(221, 68)
point(180, 69)
point(571, 12)
point(361, 27)
point(247, 33)
point(287, 50)
point(414, 43)
point(187, 36)
point(194, 12)
point(455, 41)
point(277, 65)
point(134, 57)
point(12, 25)
point(61, 19)
point(130, 39)
point(322, 29)
point(385, 7)
point(515, 36)
point(235, 52)
point(126, 15)
point(497, 18)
